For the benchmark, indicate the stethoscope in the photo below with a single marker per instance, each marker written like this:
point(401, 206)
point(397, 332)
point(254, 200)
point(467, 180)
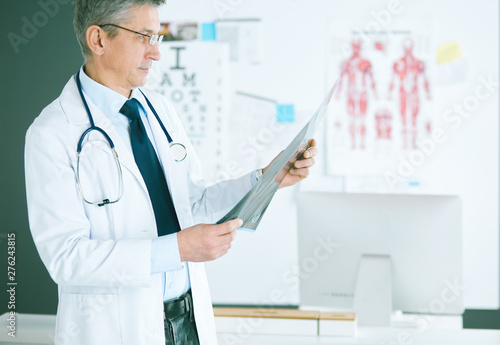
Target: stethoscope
point(178, 150)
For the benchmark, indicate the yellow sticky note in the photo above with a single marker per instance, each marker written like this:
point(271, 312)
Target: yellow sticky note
point(448, 52)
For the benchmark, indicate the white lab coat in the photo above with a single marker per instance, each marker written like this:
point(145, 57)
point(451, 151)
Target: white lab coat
point(100, 256)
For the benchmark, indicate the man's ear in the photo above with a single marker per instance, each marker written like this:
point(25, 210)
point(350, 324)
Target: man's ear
point(95, 39)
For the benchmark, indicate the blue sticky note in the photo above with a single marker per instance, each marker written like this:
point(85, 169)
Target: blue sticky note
point(208, 32)
point(285, 113)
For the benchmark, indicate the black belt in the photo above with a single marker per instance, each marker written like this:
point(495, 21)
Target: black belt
point(179, 306)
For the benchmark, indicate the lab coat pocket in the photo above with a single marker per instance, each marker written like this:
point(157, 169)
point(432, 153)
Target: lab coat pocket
point(88, 319)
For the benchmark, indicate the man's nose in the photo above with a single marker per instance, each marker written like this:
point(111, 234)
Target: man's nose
point(154, 52)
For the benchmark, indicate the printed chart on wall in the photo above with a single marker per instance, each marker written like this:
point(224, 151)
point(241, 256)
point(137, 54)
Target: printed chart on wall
point(195, 77)
point(384, 103)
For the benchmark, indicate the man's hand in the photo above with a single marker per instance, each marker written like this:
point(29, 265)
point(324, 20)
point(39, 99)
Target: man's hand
point(206, 242)
point(300, 169)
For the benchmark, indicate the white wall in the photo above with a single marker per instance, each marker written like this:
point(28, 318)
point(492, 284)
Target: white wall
point(259, 267)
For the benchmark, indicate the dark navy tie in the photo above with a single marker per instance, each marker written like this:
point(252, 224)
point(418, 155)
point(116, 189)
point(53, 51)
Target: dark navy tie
point(152, 173)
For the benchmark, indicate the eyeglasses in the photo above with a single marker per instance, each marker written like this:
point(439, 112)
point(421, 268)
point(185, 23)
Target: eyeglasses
point(153, 39)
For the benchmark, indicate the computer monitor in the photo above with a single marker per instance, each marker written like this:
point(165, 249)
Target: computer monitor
point(420, 236)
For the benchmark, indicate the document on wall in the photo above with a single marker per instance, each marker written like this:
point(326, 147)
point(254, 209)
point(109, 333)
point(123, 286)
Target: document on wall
point(252, 207)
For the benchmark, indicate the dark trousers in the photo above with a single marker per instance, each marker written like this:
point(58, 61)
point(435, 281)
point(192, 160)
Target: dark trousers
point(180, 328)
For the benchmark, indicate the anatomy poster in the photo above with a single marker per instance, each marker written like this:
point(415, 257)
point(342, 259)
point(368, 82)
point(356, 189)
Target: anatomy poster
point(195, 77)
point(384, 103)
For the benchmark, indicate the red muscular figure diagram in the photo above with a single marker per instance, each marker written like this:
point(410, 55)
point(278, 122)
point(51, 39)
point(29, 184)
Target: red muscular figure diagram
point(407, 71)
point(358, 72)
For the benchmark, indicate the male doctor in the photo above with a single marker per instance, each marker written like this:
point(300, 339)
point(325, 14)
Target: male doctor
point(123, 237)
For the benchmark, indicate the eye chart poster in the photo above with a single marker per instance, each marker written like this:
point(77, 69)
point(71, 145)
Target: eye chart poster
point(195, 77)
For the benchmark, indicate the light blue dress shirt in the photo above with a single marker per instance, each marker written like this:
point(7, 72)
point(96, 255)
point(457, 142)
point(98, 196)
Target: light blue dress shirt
point(165, 257)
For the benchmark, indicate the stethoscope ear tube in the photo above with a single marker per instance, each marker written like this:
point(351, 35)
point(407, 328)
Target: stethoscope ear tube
point(178, 150)
point(169, 138)
point(90, 129)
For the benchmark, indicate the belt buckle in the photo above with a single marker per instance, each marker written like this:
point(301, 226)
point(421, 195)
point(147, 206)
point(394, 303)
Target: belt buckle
point(180, 306)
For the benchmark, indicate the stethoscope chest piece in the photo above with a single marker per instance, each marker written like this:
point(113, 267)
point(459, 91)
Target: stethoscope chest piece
point(178, 151)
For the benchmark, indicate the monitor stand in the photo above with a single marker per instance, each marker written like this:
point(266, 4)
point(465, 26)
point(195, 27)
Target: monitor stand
point(373, 292)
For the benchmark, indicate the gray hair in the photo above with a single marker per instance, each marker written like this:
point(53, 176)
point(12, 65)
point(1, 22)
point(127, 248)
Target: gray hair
point(99, 12)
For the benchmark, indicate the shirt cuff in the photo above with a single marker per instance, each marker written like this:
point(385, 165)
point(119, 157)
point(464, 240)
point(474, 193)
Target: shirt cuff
point(253, 178)
point(165, 254)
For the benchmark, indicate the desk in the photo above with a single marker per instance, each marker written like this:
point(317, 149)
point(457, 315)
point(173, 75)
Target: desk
point(375, 336)
point(39, 329)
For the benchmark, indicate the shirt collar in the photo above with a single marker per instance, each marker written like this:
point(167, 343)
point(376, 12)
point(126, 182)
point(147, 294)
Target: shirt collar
point(105, 99)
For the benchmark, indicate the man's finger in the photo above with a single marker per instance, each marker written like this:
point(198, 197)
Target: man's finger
point(304, 163)
point(229, 226)
point(311, 152)
point(228, 237)
point(302, 173)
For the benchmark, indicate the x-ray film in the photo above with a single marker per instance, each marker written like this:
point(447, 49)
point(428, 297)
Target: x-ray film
point(251, 208)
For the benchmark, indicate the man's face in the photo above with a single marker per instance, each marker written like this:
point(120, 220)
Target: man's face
point(128, 56)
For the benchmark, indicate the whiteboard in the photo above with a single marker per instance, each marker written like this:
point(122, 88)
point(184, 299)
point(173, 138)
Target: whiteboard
point(260, 267)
